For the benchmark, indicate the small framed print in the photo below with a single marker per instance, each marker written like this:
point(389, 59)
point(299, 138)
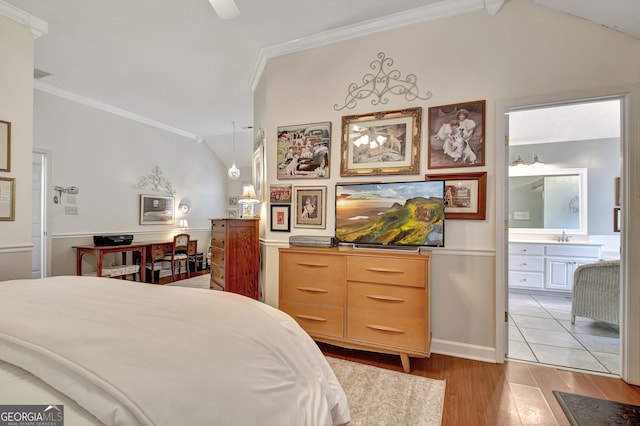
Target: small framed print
point(456, 135)
point(232, 202)
point(280, 193)
point(7, 198)
point(465, 195)
point(156, 210)
point(281, 217)
point(311, 206)
point(232, 213)
point(616, 219)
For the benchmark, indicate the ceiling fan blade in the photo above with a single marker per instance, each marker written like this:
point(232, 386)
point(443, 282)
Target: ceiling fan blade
point(226, 9)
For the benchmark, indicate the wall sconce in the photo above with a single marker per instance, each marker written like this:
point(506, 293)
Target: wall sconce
point(248, 199)
point(519, 162)
point(183, 224)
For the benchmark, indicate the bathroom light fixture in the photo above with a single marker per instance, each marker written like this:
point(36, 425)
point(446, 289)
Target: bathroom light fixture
point(519, 162)
point(536, 160)
point(234, 172)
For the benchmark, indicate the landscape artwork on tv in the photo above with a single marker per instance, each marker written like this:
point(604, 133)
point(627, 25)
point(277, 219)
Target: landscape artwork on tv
point(391, 213)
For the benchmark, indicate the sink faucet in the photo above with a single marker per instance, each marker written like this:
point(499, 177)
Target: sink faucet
point(564, 238)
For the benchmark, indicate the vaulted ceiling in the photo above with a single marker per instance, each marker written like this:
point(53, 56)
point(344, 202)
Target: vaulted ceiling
point(177, 64)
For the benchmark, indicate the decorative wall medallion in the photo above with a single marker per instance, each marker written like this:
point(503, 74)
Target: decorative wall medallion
point(156, 182)
point(386, 81)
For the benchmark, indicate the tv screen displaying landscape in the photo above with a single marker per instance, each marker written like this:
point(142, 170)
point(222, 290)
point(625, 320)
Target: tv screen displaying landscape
point(391, 213)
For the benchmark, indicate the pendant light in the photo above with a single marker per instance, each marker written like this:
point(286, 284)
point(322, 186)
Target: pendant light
point(234, 172)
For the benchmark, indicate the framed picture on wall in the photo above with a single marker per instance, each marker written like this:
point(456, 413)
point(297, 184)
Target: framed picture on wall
point(281, 217)
point(465, 195)
point(156, 210)
point(456, 135)
point(257, 171)
point(311, 206)
point(280, 193)
point(381, 143)
point(303, 151)
point(7, 198)
point(5, 146)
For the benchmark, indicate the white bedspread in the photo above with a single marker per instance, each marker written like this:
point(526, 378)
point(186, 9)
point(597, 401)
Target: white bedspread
point(133, 353)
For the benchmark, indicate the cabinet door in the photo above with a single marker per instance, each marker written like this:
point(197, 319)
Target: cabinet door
point(559, 274)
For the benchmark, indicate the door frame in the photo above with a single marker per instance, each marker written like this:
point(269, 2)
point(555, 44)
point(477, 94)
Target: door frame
point(630, 106)
point(44, 213)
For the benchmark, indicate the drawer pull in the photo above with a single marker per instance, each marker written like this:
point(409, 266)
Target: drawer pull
point(391, 271)
point(313, 289)
point(386, 298)
point(315, 265)
point(384, 328)
point(312, 318)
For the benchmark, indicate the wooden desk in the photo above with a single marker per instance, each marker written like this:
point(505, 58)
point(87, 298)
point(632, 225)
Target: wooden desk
point(152, 250)
point(100, 251)
point(156, 250)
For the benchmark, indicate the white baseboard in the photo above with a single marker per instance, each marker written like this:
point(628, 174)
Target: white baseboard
point(463, 350)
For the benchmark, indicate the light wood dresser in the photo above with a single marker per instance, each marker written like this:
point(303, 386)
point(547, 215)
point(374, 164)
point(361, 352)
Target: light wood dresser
point(235, 256)
point(361, 299)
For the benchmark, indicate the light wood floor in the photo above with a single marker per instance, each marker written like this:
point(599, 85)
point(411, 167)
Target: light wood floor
point(480, 393)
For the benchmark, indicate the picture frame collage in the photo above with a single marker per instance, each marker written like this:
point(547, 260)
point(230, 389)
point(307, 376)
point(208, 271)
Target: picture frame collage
point(382, 143)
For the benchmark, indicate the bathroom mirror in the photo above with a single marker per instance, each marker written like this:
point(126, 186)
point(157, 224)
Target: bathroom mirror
point(547, 201)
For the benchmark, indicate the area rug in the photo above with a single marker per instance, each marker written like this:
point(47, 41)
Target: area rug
point(587, 411)
point(201, 281)
point(385, 397)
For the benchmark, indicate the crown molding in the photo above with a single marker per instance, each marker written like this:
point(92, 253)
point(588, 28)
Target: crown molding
point(431, 12)
point(37, 26)
point(56, 91)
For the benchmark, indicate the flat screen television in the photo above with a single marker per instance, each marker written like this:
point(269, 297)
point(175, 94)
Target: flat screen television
point(390, 214)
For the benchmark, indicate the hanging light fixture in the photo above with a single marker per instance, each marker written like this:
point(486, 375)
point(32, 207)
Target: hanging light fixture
point(234, 172)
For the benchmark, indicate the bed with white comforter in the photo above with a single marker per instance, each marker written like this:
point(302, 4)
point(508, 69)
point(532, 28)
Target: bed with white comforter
point(131, 353)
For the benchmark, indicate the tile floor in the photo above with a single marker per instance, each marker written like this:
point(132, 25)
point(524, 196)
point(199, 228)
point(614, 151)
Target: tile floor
point(540, 330)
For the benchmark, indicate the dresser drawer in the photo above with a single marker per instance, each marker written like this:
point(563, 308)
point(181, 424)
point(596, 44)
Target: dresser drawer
point(217, 256)
point(318, 289)
point(526, 263)
point(526, 279)
point(528, 249)
point(312, 266)
point(387, 299)
point(322, 320)
point(401, 332)
point(217, 240)
point(218, 225)
point(217, 274)
point(387, 270)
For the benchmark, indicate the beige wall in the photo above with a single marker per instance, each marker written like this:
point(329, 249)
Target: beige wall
point(523, 51)
point(16, 106)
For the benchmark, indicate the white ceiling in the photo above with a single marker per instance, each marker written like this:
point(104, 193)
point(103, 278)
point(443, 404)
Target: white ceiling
point(177, 63)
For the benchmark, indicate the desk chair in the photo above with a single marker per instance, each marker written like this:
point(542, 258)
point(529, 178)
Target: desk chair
point(179, 254)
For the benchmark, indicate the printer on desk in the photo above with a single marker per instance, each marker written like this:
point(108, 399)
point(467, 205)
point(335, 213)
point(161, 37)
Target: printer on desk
point(112, 240)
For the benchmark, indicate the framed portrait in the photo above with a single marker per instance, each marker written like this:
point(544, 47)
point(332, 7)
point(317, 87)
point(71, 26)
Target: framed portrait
point(304, 151)
point(5, 146)
point(232, 213)
point(281, 217)
point(465, 195)
point(7, 198)
point(156, 210)
point(280, 193)
point(232, 202)
point(257, 171)
point(616, 219)
point(311, 206)
point(456, 135)
point(381, 143)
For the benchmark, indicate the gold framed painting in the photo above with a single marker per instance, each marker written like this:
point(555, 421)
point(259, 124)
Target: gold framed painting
point(381, 143)
point(7, 198)
point(465, 195)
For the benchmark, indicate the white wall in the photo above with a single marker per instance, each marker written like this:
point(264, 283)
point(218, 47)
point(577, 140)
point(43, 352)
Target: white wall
point(523, 51)
point(16, 106)
point(105, 156)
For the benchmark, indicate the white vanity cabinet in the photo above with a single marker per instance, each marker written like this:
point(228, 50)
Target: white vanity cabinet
point(548, 266)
